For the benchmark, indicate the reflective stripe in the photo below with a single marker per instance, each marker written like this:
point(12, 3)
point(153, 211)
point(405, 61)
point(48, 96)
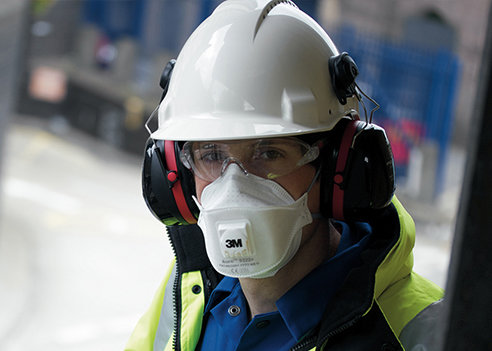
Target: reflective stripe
point(142, 338)
point(192, 305)
point(169, 346)
point(402, 301)
point(166, 319)
point(422, 332)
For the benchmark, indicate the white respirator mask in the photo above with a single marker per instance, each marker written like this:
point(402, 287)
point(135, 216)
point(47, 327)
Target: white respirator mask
point(252, 226)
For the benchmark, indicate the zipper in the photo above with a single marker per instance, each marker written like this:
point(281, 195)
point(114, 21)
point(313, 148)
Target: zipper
point(339, 330)
point(176, 298)
point(207, 285)
point(310, 341)
point(307, 343)
point(210, 280)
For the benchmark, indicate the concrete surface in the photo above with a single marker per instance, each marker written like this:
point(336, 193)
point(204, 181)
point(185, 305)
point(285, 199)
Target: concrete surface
point(81, 256)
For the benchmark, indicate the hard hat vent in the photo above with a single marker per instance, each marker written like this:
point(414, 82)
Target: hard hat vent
point(269, 7)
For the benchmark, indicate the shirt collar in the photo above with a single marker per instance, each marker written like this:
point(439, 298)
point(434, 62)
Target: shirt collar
point(221, 291)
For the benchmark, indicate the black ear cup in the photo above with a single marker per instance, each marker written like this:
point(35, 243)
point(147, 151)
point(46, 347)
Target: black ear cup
point(166, 77)
point(167, 185)
point(343, 72)
point(358, 174)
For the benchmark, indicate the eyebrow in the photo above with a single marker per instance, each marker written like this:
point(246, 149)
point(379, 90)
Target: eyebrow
point(207, 146)
point(257, 142)
point(273, 141)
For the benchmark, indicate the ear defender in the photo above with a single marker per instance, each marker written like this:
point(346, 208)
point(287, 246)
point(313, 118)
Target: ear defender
point(166, 77)
point(167, 185)
point(358, 173)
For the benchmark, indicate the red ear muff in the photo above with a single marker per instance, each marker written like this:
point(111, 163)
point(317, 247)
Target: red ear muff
point(173, 178)
point(167, 184)
point(341, 165)
point(358, 174)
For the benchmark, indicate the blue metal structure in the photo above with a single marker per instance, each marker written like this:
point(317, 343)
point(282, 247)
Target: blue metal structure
point(415, 87)
point(128, 18)
point(116, 18)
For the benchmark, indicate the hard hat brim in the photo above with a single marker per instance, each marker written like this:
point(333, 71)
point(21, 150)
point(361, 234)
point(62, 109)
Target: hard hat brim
point(235, 127)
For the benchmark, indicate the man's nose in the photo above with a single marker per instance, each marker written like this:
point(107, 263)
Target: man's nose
point(231, 161)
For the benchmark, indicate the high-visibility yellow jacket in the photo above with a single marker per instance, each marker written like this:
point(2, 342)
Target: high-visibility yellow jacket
point(382, 305)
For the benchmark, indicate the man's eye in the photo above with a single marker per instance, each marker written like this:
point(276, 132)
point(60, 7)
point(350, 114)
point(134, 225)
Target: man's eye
point(269, 155)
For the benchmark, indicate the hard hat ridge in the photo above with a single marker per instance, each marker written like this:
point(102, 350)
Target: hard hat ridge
point(269, 7)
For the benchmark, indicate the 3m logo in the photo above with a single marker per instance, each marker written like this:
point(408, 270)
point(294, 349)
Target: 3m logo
point(230, 243)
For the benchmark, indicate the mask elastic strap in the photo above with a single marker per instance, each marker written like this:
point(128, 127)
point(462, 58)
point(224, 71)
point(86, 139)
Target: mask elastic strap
point(316, 215)
point(318, 171)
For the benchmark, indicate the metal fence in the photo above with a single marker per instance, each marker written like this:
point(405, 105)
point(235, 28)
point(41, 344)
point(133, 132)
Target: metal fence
point(416, 89)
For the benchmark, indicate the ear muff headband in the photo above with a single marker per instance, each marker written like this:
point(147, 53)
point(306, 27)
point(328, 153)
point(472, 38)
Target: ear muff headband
point(173, 178)
point(338, 179)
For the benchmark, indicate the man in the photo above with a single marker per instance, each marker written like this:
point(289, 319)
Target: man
point(278, 200)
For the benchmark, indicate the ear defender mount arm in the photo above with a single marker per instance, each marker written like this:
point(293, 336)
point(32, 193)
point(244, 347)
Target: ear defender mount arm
point(166, 77)
point(343, 71)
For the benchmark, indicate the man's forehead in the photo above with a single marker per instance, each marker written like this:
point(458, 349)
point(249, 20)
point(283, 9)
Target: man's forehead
point(259, 141)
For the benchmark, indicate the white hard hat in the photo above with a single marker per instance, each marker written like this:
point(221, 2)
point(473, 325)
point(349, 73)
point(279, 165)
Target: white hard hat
point(253, 69)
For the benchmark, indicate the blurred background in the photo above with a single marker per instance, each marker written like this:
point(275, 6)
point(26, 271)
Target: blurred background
point(80, 255)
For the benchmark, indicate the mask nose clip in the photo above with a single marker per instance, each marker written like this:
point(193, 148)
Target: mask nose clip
point(230, 161)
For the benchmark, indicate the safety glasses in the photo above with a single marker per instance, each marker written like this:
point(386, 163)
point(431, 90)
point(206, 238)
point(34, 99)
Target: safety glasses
point(268, 158)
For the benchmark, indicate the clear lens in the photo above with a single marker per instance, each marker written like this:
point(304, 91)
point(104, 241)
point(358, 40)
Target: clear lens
point(267, 158)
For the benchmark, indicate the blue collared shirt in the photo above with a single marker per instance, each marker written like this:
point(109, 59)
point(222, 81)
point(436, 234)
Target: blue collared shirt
point(226, 320)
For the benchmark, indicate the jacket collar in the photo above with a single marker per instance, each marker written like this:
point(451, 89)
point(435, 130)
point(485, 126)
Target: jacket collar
point(356, 296)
